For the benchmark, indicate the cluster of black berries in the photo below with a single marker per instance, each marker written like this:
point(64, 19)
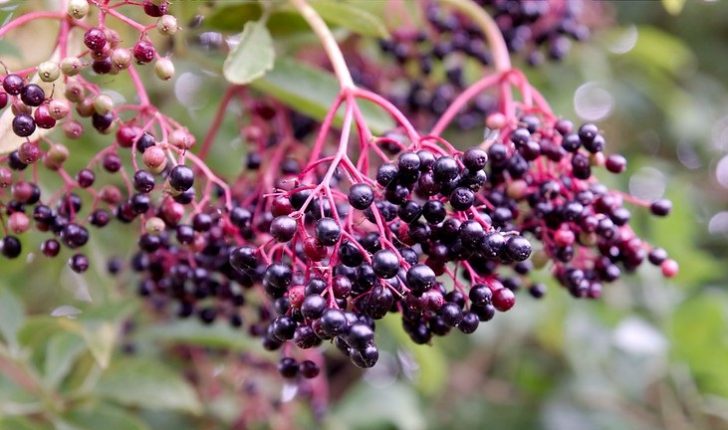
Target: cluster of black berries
point(541, 183)
point(539, 29)
point(432, 62)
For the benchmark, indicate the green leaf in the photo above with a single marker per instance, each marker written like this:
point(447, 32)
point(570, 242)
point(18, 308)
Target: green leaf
point(148, 384)
point(432, 372)
point(62, 351)
point(252, 57)
point(12, 316)
point(20, 423)
point(348, 15)
point(192, 332)
point(312, 91)
point(233, 17)
point(100, 339)
point(370, 407)
point(105, 416)
point(673, 7)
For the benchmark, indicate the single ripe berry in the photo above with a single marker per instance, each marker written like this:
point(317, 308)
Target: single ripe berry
point(361, 196)
point(283, 228)
point(462, 198)
point(78, 263)
point(475, 159)
point(95, 39)
point(616, 163)
point(288, 367)
point(445, 169)
point(587, 132)
point(420, 278)
point(181, 178)
point(328, 231)
point(13, 84)
point(10, 246)
point(243, 258)
point(309, 369)
point(518, 248)
point(85, 178)
point(23, 125)
point(32, 95)
point(661, 207)
point(385, 263)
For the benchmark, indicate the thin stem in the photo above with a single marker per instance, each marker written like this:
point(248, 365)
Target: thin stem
point(328, 41)
point(490, 29)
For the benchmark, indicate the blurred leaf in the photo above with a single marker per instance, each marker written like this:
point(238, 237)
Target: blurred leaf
point(20, 423)
point(193, 332)
point(148, 384)
point(105, 417)
point(673, 7)
point(234, 17)
point(658, 49)
point(38, 329)
point(350, 16)
point(61, 352)
point(100, 339)
point(312, 91)
point(12, 316)
point(698, 331)
point(432, 372)
point(252, 57)
point(369, 407)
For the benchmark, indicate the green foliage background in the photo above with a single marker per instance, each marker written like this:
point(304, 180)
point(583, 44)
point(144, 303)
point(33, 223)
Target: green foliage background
point(652, 354)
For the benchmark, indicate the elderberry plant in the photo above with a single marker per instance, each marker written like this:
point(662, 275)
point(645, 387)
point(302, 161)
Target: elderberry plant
point(331, 224)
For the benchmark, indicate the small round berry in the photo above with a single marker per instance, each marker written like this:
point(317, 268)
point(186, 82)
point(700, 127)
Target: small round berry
point(85, 178)
point(156, 8)
point(288, 367)
point(50, 248)
point(409, 162)
point(243, 258)
point(385, 263)
point(43, 118)
point(10, 247)
point(283, 228)
point(504, 299)
point(23, 125)
point(309, 369)
point(181, 178)
point(518, 248)
point(32, 95)
point(657, 256)
point(121, 58)
point(164, 69)
point(475, 159)
point(144, 52)
point(462, 198)
point(587, 132)
point(13, 84)
point(328, 231)
point(661, 207)
point(78, 263)
point(616, 163)
point(445, 169)
point(49, 71)
point(386, 174)
point(95, 39)
point(18, 222)
point(537, 290)
point(420, 278)
point(167, 25)
point(361, 196)
point(333, 322)
point(669, 268)
point(359, 336)
point(469, 323)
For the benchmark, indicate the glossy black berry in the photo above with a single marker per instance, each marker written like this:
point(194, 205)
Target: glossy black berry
point(462, 199)
point(13, 84)
point(32, 95)
point(328, 231)
point(181, 178)
point(78, 263)
point(661, 207)
point(420, 277)
point(385, 263)
point(283, 228)
point(23, 125)
point(10, 246)
point(475, 159)
point(361, 196)
point(518, 248)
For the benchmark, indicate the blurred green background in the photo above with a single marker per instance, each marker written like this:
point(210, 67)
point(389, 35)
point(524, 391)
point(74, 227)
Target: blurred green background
point(652, 354)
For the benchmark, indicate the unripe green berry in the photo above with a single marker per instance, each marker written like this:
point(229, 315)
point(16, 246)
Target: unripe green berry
point(164, 68)
point(78, 9)
point(74, 91)
point(49, 71)
point(167, 25)
point(154, 225)
point(121, 58)
point(103, 104)
point(71, 66)
point(56, 156)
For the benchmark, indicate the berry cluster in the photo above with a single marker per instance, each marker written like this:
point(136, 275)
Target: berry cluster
point(314, 242)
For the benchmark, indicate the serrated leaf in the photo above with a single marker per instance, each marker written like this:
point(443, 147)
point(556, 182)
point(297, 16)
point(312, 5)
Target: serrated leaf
point(192, 332)
point(12, 317)
point(147, 384)
point(252, 57)
point(62, 351)
point(349, 16)
point(312, 91)
point(105, 417)
point(673, 7)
